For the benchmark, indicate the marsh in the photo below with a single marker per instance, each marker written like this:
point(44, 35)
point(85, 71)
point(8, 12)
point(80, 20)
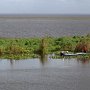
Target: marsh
point(39, 73)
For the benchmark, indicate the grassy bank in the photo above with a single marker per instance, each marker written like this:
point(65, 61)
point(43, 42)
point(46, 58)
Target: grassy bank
point(44, 45)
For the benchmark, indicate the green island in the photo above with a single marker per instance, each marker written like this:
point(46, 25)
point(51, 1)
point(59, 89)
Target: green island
point(33, 47)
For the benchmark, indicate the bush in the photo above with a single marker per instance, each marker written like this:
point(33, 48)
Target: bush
point(83, 46)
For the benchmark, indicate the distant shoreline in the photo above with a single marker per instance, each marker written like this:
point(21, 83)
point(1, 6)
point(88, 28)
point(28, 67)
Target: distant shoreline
point(37, 16)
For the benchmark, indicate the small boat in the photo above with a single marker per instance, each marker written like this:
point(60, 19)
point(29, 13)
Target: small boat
point(66, 53)
point(81, 53)
point(71, 54)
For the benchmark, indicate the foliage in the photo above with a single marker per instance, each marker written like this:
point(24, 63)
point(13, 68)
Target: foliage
point(43, 45)
point(83, 45)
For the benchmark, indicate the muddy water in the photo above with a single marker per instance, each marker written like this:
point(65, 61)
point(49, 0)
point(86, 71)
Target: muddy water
point(53, 74)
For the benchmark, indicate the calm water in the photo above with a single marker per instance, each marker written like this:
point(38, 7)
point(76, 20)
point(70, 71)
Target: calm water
point(53, 74)
point(30, 27)
point(50, 74)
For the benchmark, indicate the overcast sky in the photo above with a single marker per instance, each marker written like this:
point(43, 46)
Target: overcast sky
point(45, 6)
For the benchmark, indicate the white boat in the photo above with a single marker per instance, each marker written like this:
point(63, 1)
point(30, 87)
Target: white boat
point(66, 53)
point(81, 53)
point(71, 54)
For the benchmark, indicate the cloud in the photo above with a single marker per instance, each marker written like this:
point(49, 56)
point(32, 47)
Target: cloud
point(44, 6)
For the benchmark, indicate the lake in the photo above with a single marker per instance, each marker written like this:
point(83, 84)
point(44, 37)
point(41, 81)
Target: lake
point(29, 26)
point(44, 74)
point(52, 74)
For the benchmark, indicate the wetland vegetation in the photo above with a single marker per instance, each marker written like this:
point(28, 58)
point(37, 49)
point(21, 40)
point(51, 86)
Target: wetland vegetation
point(34, 47)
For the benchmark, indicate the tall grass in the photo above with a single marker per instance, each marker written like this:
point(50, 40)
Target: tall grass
point(42, 46)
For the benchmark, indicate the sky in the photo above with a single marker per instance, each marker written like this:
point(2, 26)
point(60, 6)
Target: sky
point(44, 6)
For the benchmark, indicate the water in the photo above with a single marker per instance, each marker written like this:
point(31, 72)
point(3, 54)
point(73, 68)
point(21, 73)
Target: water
point(45, 26)
point(49, 74)
point(53, 74)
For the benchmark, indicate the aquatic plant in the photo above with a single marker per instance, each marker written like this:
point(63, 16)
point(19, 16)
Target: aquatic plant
point(83, 45)
point(44, 45)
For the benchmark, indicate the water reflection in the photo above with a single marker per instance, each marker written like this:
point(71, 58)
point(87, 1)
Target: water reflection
point(11, 61)
point(43, 59)
point(83, 60)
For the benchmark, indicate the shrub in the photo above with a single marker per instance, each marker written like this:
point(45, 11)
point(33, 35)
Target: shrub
point(83, 46)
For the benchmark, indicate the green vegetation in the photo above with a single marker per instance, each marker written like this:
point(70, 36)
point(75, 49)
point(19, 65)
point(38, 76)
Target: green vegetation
point(45, 45)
